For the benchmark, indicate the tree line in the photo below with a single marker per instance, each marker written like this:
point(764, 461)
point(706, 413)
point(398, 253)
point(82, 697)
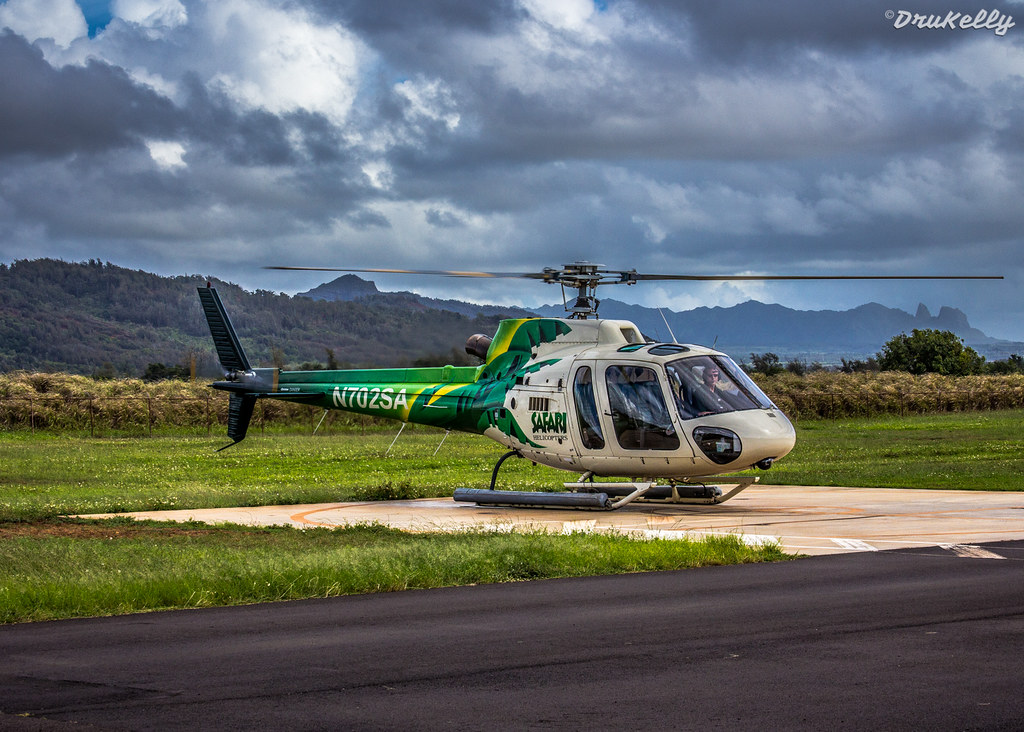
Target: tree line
point(923, 351)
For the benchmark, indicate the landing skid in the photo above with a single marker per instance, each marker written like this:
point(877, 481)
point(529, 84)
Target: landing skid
point(588, 495)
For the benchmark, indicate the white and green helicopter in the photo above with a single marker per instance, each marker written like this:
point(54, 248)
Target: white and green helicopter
point(662, 421)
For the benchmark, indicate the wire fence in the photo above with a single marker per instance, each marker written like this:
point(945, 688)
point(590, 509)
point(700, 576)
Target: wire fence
point(99, 416)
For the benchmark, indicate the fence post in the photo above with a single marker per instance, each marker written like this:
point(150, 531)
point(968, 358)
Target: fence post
point(92, 432)
point(149, 408)
point(32, 414)
point(207, 415)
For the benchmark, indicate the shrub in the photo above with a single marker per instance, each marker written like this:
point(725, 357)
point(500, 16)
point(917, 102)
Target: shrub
point(930, 351)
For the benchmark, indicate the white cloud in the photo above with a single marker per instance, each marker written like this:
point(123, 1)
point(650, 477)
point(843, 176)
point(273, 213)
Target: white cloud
point(977, 185)
point(156, 15)
point(568, 14)
point(262, 55)
point(414, 238)
point(60, 20)
point(429, 100)
point(379, 174)
point(282, 60)
point(661, 209)
point(167, 154)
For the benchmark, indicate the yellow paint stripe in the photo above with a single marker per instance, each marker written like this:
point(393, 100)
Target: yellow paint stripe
point(442, 391)
point(410, 398)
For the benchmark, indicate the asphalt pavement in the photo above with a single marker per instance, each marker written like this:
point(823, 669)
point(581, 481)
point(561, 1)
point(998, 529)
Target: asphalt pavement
point(926, 638)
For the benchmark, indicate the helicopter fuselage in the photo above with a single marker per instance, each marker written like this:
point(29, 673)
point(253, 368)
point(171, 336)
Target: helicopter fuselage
point(588, 396)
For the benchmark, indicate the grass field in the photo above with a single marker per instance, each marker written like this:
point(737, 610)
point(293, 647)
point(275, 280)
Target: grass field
point(52, 567)
point(962, 451)
point(43, 476)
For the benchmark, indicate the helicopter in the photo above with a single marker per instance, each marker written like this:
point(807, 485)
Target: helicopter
point(665, 422)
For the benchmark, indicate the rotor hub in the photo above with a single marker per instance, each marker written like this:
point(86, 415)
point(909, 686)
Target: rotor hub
point(584, 277)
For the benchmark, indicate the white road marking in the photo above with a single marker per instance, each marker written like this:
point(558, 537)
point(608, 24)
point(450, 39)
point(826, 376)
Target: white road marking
point(971, 551)
point(855, 545)
point(584, 526)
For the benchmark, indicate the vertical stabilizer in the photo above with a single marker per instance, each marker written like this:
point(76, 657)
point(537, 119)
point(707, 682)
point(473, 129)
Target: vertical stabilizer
point(229, 350)
point(240, 379)
point(240, 408)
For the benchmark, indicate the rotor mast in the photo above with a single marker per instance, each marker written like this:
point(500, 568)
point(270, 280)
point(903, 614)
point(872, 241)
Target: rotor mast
point(584, 277)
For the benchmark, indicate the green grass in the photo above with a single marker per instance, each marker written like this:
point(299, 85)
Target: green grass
point(101, 568)
point(964, 451)
point(52, 567)
point(45, 475)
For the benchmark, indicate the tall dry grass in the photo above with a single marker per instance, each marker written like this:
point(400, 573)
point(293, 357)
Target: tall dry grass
point(835, 395)
point(66, 402)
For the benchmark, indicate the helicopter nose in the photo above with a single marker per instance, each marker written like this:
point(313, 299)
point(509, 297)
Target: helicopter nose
point(768, 437)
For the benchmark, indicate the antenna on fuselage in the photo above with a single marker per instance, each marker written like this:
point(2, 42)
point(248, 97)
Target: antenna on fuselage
point(668, 326)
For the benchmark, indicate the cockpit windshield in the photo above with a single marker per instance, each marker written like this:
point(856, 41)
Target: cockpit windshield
point(703, 385)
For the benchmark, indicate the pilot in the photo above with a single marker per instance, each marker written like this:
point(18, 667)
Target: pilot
point(715, 400)
point(711, 378)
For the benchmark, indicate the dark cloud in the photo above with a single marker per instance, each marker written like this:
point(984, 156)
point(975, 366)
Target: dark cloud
point(52, 112)
point(443, 219)
point(385, 17)
point(244, 137)
point(768, 31)
point(364, 219)
point(666, 135)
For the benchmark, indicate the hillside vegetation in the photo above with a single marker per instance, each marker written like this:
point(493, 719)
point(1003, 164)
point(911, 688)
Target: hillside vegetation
point(92, 317)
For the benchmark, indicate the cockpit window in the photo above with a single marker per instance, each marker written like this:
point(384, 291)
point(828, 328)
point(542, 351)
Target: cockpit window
point(703, 385)
point(639, 412)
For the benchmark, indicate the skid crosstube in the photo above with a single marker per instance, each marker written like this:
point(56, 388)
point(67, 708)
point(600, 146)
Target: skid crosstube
point(593, 496)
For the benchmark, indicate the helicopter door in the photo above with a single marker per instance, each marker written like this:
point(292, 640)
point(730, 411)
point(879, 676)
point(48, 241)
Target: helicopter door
point(640, 421)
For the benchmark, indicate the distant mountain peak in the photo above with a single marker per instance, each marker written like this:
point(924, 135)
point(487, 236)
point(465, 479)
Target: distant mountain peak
point(352, 287)
point(952, 319)
point(347, 287)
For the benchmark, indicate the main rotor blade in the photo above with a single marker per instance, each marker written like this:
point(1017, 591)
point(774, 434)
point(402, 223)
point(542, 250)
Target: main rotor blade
point(598, 275)
point(443, 272)
point(703, 278)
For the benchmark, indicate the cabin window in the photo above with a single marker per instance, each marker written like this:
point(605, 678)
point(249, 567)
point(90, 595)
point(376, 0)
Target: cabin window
point(639, 412)
point(703, 385)
point(586, 410)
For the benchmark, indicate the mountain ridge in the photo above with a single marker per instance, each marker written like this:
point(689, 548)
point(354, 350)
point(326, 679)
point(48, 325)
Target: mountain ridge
point(751, 326)
point(826, 335)
point(88, 316)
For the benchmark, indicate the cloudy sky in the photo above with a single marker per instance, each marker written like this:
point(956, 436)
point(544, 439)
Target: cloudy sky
point(684, 136)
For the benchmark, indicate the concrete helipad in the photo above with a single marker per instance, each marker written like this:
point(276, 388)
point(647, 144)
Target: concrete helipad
point(805, 520)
